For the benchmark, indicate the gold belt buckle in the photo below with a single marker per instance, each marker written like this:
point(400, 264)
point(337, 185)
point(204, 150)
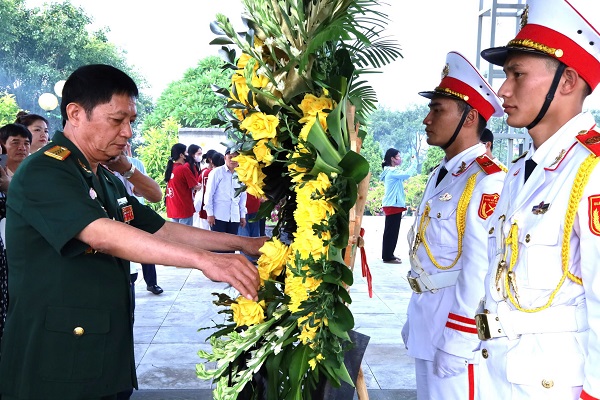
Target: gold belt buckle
point(414, 284)
point(483, 327)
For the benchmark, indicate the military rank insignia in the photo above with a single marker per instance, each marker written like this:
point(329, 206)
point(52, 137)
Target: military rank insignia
point(594, 214)
point(487, 165)
point(591, 141)
point(487, 205)
point(58, 152)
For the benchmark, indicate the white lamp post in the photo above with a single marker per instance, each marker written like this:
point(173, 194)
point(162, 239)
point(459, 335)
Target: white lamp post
point(58, 87)
point(48, 101)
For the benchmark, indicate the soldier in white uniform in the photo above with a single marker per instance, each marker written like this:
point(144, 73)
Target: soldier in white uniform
point(448, 248)
point(540, 319)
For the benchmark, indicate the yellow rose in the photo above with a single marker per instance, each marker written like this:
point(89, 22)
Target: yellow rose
point(262, 152)
point(312, 105)
point(250, 174)
point(248, 312)
point(260, 125)
point(273, 257)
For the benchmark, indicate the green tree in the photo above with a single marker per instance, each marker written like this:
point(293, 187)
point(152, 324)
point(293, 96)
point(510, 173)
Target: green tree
point(433, 157)
point(8, 108)
point(155, 152)
point(191, 100)
point(402, 130)
point(41, 46)
point(371, 151)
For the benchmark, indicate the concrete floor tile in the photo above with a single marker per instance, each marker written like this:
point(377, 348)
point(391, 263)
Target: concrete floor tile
point(175, 376)
point(161, 354)
point(144, 334)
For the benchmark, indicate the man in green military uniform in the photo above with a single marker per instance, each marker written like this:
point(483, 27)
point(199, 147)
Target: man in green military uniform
point(70, 228)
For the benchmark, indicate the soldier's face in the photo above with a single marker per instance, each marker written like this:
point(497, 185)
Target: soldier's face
point(441, 121)
point(528, 79)
point(106, 131)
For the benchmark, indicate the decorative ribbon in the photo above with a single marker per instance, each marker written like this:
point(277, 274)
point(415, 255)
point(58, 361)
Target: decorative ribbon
point(366, 271)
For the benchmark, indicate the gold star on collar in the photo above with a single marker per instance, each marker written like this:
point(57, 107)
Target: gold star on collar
point(524, 15)
point(445, 71)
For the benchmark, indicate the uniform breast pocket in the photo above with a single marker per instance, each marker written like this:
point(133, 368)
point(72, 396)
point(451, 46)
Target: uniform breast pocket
point(73, 344)
point(442, 230)
point(543, 253)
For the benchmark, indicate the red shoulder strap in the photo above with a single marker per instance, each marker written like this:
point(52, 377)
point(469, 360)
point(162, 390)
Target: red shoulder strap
point(487, 164)
point(590, 140)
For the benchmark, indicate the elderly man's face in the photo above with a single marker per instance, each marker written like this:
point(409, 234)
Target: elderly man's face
point(104, 134)
point(231, 164)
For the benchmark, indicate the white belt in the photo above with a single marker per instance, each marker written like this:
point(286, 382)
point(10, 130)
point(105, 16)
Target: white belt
point(512, 323)
point(425, 282)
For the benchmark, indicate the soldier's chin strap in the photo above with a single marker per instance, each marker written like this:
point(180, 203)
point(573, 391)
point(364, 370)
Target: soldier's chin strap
point(549, 96)
point(458, 128)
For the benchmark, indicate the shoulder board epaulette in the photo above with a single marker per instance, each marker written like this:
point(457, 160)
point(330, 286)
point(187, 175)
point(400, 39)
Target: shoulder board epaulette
point(487, 165)
point(518, 158)
point(590, 140)
point(58, 152)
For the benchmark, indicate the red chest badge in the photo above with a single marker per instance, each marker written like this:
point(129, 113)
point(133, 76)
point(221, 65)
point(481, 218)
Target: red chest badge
point(594, 214)
point(127, 214)
point(487, 204)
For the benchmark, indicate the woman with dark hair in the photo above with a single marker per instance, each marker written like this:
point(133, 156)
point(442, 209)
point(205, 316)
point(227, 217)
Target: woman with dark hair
point(194, 158)
point(218, 159)
point(393, 203)
point(38, 126)
point(181, 183)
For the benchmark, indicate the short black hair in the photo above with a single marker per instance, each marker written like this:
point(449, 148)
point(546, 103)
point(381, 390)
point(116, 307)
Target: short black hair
point(463, 106)
point(10, 130)
point(95, 84)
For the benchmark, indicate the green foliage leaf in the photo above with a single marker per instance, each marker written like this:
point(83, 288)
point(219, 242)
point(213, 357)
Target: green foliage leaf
point(298, 367)
point(355, 166)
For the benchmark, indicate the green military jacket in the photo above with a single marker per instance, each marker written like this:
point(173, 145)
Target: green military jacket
point(69, 332)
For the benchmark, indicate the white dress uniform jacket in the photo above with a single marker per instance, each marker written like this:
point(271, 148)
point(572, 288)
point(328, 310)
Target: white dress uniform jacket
point(544, 353)
point(444, 318)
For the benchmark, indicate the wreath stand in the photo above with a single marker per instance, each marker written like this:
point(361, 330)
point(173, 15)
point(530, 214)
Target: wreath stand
point(356, 240)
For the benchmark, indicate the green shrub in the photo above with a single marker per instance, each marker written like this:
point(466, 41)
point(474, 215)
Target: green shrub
point(374, 197)
point(414, 188)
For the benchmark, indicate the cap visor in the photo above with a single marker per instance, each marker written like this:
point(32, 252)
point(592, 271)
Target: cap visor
point(432, 94)
point(495, 55)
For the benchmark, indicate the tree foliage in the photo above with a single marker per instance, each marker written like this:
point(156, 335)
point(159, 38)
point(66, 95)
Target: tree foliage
point(155, 152)
point(191, 101)
point(8, 108)
point(40, 46)
point(371, 151)
point(402, 130)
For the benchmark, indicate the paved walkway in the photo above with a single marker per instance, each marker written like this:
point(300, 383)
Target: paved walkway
point(167, 338)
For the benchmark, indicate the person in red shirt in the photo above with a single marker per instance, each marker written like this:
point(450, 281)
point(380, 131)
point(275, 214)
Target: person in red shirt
point(181, 182)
